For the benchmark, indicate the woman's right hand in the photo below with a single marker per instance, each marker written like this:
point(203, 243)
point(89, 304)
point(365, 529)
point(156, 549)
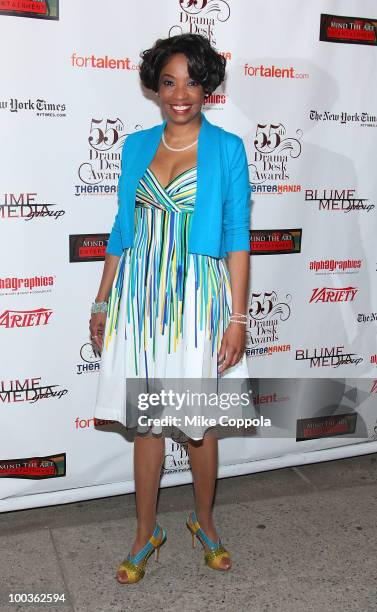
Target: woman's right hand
point(97, 327)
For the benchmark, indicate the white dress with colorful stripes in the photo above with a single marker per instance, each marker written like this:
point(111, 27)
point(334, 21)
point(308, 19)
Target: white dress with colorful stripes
point(168, 308)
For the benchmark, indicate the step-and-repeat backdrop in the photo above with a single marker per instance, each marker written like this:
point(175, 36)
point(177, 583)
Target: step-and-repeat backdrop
point(300, 91)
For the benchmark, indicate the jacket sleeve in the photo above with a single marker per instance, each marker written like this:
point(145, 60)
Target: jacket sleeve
point(114, 244)
point(236, 212)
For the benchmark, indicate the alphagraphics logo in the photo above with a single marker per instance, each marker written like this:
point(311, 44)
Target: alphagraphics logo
point(14, 285)
point(335, 266)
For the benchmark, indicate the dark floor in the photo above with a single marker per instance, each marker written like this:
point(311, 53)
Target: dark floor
point(302, 540)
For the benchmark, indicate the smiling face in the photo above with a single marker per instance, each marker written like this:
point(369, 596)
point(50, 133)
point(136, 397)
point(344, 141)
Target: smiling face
point(181, 96)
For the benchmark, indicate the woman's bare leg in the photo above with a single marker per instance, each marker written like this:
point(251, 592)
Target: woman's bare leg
point(204, 461)
point(148, 459)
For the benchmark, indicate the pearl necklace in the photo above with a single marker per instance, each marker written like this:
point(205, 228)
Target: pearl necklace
point(182, 149)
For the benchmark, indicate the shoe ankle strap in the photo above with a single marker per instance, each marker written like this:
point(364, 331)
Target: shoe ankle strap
point(210, 543)
point(150, 545)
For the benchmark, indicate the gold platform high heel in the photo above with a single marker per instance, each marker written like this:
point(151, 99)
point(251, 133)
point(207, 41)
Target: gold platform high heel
point(216, 552)
point(134, 565)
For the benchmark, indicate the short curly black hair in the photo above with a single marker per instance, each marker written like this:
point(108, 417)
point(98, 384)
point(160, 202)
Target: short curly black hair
point(205, 64)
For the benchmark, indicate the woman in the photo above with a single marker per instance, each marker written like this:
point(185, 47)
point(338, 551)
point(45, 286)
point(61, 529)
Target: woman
point(168, 305)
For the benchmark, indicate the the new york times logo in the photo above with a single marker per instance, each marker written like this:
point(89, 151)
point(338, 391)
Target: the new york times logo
point(342, 200)
point(26, 206)
point(28, 390)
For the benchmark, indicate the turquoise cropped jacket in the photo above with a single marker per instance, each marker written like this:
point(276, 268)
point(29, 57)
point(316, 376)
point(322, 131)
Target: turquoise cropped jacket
point(221, 215)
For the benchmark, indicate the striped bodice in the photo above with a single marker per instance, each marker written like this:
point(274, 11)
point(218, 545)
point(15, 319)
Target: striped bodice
point(177, 196)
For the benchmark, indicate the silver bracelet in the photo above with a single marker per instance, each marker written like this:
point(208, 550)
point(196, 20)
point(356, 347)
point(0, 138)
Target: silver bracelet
point(99, 307)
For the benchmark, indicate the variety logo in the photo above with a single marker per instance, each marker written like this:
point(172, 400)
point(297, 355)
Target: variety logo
point(26, 206)
point(99, 175)
point(352, 30)
point(274, 72)
point(265, 314)
point(91, 61)
point(14, 285)
point(362, 119)
point(34, 468)
point(38, 9)
point(39, 106)
point(201, 17)
point(326, 426)
point(327, 357)
point(275, 242)
point(327, 266)
point(341, 200)
point(25, 318)
point(367, 318)
point(87, 247)
point(333, 294)
point(272, 155)
point(90, 359)
point(28, 390)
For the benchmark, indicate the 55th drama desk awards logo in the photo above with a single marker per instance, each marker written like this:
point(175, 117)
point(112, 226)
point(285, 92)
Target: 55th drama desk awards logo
point(37, 9)
point(99, 173)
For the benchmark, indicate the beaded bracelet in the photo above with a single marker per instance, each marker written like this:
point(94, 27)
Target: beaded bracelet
point(98, 307)
point(237, 321)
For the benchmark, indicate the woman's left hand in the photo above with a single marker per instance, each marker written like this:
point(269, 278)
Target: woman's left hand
point(232, 346)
